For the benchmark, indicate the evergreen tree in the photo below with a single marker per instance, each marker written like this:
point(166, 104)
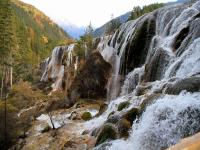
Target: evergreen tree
point(138, 11)
point(112, 25)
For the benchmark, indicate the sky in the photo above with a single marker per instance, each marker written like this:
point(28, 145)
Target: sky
point(82, 12)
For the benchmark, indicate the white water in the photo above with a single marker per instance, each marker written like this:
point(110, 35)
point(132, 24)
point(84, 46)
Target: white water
point(54, 68)
point(132, 80)
point(114, 56)
point(112, 107)
point(163, 123)
point(58, 120)
point(190, 62)
point(171, 117)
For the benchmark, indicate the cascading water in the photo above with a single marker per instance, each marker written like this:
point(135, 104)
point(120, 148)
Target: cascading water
point(175, 44)
point(54, 66)
point(163, 123)
point(150, 56)
point(113, 52)
point(132, 80)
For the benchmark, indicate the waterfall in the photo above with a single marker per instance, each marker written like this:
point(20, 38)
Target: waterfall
point(163, 123)
point(173, 54)
point(132, 80)
point(54, 65)
point(112, 52)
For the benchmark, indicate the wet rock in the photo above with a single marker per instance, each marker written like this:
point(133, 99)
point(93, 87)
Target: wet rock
point(135, 52)
point(191, 84)
point(141, 90)
point(123, 127)
point(154, 69)
point(107, 132)
point(131, 115)
point(112, 113)
point(180, 37)
point(102, 109)
point(123, 105)
point(86, 116)
point(147, 101)
point(46, 129)
point(74, 116)
point(95, 131)
point(91, 79)
point(113, 119)
point(85, 132)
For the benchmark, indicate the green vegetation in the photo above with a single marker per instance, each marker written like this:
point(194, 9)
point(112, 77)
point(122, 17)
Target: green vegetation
point(138, 11)
point(84, 44)
point(29, 103)
point(123, 105)
point(108, 132)
point(86, 116)
point(27, 37)
point(112, 26)
point(21, 97)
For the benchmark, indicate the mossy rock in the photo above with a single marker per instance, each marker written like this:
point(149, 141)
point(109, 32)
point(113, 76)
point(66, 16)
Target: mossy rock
point(123, 127)
point(123, 105)
point(112, 113)
point(147, 101)
point(46, 129)
point(131, 115)
point(108, 132)
point(86, 116)
point(113, 119)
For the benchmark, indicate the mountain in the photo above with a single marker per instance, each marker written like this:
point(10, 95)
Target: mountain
point(101, 30)
point(73, 30)
point(34, 35)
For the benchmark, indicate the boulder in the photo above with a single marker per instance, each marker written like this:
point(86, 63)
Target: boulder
point(86, 116)
point(123, 105)
point(113, 119)
point(190, 84)
point(123, 127)
point(131, 115)
point(107, 132)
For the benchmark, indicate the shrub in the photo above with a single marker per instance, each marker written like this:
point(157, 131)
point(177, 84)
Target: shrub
point(86, 116)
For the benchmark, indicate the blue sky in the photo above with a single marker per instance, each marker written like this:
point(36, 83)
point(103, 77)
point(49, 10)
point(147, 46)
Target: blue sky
point(81, 12)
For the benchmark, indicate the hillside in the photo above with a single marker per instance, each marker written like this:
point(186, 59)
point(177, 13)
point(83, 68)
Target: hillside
point(101, 30)
point(33, 35)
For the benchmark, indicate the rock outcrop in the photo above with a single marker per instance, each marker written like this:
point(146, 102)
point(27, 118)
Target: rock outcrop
point(91, 80)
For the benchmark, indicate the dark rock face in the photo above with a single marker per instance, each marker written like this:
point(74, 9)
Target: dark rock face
point(137, 47)
point(91, 80)
point(154, 68)
point(191, 84)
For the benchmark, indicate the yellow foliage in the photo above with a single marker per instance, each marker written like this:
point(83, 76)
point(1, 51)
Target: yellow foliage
point(45, 39)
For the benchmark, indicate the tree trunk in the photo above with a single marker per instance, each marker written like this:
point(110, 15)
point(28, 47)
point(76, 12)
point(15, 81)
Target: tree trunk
point(5, 122)
point(1, 87)
point(11, 77)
